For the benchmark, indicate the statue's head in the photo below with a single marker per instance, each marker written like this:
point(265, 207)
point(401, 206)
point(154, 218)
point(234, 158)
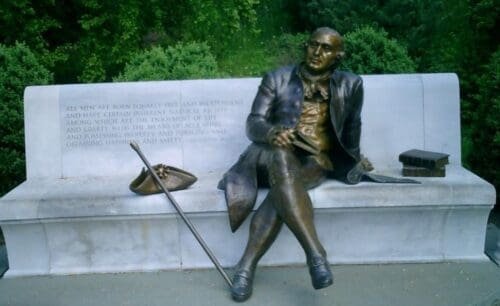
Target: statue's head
point(324, 50)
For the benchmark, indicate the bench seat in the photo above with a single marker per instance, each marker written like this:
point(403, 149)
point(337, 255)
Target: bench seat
point(84, 225)
point(110, 196)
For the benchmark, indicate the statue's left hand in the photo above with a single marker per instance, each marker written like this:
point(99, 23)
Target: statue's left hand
point(283, 138)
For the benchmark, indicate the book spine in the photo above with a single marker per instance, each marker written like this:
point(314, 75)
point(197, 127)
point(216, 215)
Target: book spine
point(423, 172)
point(424, 163)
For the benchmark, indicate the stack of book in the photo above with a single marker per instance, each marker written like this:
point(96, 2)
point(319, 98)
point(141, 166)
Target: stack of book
point(423, 163)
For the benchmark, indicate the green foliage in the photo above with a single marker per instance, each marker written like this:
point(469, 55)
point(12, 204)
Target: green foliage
point(395, 16)
point(258, 48)
point(89, 40)
point(254, 57)
point(368, 51)
point(218, 22)
point(26, 21)
point(486, 123)
point(290, 48)
point(247, 60)
point(277, 17)
point(433, 31)
point(92, 40)
point(18, 68)
point(372, 51)
point(184, 61)
point(110, 33)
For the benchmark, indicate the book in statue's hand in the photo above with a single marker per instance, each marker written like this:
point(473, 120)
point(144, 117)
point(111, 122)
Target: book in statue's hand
point(305, 143)
point(424, 159)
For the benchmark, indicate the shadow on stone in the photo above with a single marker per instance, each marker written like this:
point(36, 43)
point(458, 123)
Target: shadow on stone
point(492, 247)
point(4, 264)
point(495, 215)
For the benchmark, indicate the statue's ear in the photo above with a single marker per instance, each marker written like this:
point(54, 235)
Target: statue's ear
point(340, 55)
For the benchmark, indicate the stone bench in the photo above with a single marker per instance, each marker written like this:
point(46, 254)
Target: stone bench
point(75, 213)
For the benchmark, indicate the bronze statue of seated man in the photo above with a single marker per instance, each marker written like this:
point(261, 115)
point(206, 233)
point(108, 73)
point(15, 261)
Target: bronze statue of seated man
point(305, 127)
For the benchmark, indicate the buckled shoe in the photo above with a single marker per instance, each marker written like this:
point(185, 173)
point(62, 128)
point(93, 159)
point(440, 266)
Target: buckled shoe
point(321, 276)
point(242, 285)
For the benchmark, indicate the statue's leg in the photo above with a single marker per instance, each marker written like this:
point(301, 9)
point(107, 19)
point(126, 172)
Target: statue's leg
point(264, 229)
point(294, 206)
point(292, 200)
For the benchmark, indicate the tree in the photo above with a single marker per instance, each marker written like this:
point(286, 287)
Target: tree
point(218, 21)
point(18, 68)
point(486, 124)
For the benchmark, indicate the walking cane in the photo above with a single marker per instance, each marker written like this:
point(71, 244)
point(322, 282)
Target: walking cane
point(190, 225)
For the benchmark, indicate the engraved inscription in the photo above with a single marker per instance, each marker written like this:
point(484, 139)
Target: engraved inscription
point(149, 123)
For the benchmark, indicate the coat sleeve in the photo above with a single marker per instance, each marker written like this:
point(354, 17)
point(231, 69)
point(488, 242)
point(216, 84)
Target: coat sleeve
point(352, 124)
point(258, 127)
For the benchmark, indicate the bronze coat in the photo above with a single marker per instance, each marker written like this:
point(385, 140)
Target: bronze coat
point(279, 104)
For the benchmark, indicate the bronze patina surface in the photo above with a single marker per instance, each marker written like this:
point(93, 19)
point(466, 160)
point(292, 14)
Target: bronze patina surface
point(323, 105)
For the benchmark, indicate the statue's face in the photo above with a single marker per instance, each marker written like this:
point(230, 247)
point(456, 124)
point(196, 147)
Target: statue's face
point(321, 52)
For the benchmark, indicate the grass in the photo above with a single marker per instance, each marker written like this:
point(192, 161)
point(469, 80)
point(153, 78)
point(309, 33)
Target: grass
point(251, 58)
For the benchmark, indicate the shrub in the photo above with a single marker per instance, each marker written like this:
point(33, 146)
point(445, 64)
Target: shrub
point(18, 68)
point(183, 61)
point(255, 57)
point(372, 51)
point(367, 51)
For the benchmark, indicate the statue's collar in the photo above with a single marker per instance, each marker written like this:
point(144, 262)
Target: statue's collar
point(307, 76)
point(302, 73)
point(315, 85)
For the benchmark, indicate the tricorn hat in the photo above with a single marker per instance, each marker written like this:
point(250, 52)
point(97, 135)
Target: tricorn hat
point(173, 178)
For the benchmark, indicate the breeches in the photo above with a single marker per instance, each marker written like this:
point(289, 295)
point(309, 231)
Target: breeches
point(276, 165)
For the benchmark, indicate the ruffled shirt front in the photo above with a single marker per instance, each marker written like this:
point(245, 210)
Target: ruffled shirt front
point(314, 121)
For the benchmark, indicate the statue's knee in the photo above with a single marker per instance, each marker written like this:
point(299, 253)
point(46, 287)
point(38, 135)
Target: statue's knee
point(284, 166)
point(284, 158)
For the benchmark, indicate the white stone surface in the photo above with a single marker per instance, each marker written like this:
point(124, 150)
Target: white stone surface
point(27, 249)
point(460, 188)
point(442, 114)
point(422, 107)
point(113, 245)
point(75, 213)
point(110, 196)
point(42, 131)
point(92, 103)
point(392, 118)
point(364, 223)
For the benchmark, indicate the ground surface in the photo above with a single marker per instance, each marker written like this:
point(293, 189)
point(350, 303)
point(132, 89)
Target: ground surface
point(398, 284)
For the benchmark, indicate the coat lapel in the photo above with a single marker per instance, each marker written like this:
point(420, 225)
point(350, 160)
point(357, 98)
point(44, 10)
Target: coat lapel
point(336, 103)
